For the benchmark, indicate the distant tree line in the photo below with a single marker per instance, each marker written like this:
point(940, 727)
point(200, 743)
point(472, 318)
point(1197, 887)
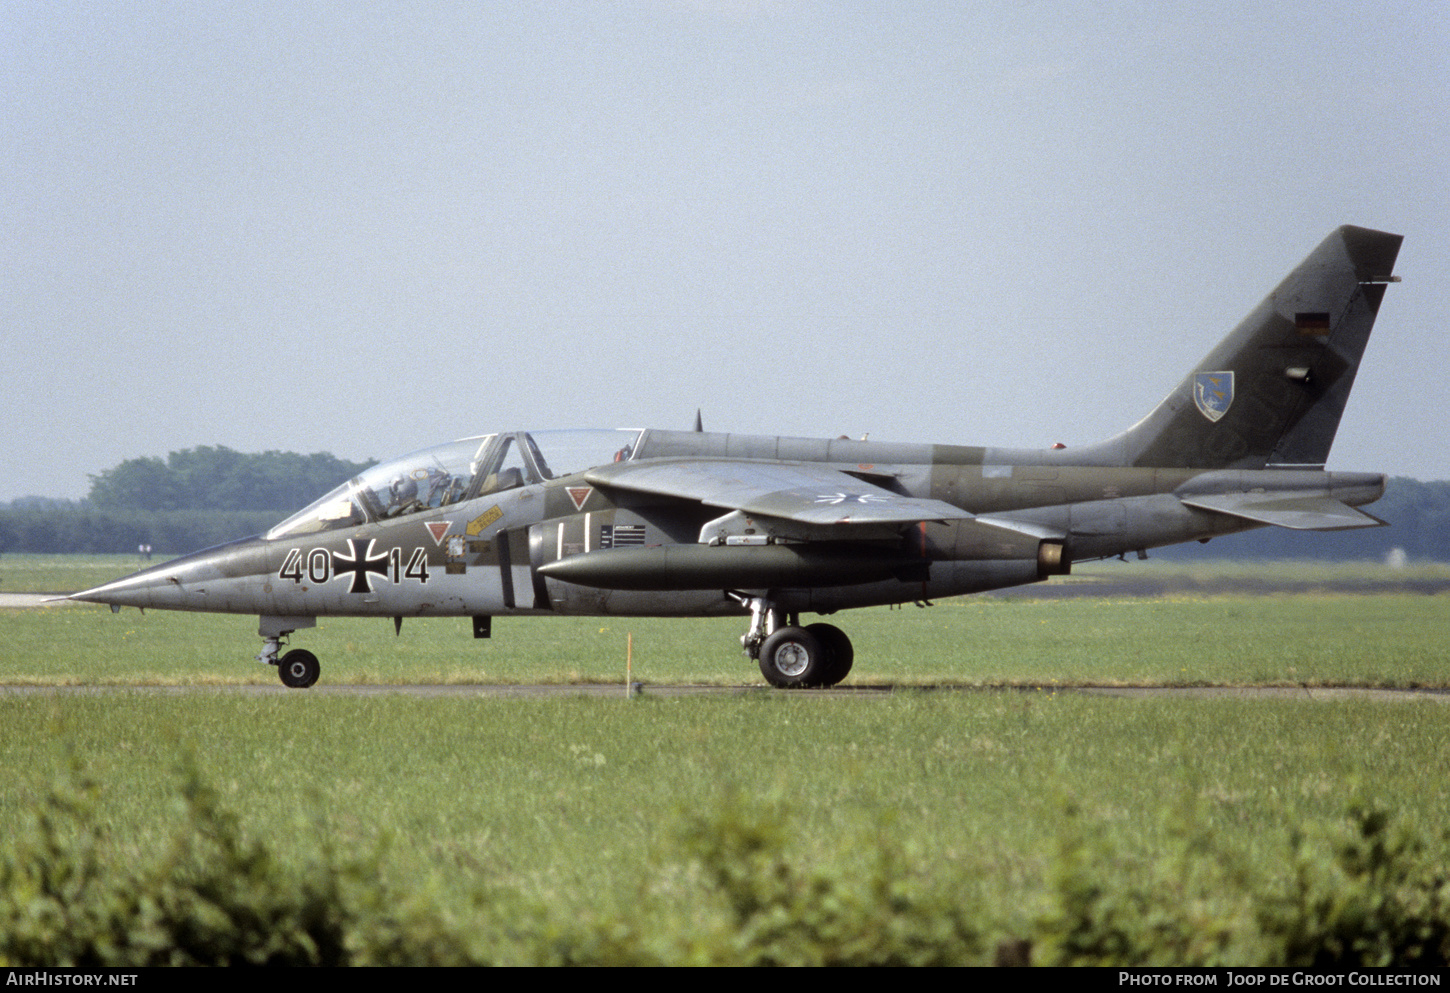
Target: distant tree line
point(217, 478)
point(192, 499)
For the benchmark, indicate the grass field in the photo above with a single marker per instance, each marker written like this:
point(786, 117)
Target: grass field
point(585, 806)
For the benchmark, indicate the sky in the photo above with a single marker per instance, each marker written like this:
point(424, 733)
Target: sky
point(366, 228)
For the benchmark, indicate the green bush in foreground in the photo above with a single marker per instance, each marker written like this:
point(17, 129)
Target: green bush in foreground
point(782, 914)
point(1382, 899)
point(215, 898)
point(212, 899)
point(1193, 907)
point(1367, 893)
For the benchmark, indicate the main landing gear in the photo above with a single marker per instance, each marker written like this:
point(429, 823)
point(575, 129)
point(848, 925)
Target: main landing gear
point(791, 656)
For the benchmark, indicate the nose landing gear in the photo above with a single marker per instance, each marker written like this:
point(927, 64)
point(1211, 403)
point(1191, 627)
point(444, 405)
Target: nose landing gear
point(297, 669)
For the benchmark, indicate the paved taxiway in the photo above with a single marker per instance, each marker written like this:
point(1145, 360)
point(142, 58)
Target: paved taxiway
point(16, 600)
point(536, 690)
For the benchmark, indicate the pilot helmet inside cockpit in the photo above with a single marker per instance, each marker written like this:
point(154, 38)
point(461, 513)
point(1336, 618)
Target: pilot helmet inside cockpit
point(402, 492)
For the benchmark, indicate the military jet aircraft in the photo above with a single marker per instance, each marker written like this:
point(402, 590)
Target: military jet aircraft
point(695, 524)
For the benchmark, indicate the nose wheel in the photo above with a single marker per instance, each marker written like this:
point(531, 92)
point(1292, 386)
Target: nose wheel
point(299, 669)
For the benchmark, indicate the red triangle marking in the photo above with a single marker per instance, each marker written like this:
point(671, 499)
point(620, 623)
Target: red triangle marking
point(579, 494)
point(439, 529)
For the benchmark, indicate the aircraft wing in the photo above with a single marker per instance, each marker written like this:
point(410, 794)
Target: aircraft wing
point(1301, 513)
point(810, 494)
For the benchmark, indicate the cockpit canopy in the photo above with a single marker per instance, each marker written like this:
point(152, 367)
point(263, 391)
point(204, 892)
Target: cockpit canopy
point(460, 470)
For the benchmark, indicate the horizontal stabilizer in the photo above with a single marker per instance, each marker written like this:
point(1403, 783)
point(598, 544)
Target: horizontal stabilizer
point(1301, 513)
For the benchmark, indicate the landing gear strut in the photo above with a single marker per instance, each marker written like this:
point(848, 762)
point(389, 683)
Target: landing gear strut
point(791, 656)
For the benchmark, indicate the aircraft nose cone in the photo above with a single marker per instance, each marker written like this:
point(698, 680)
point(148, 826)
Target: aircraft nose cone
point(204, 580)
point(133, 591)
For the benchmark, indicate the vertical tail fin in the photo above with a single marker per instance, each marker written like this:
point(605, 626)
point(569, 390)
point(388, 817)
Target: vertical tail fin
point(1273, 391)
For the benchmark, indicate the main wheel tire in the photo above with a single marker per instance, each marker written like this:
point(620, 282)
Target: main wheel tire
point(299, 669)
point(793, 657)
point(839, 653)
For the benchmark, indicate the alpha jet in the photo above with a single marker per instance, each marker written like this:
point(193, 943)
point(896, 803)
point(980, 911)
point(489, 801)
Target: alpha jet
point(695, 524)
